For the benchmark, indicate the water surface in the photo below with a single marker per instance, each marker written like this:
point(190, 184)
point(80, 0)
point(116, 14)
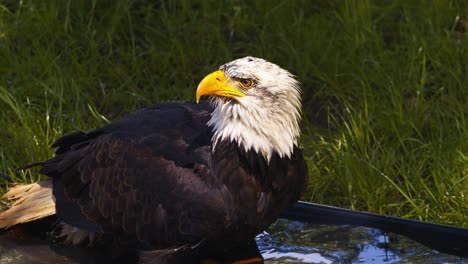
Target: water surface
point(297, 242)
point(284, 242)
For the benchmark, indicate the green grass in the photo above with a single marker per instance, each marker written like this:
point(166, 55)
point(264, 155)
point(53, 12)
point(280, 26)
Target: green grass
point(384, 82)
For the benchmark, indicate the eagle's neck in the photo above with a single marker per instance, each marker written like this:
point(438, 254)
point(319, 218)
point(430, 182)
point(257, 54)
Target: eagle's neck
point(263, 130)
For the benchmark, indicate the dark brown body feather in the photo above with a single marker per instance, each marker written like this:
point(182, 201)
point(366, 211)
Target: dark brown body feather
point(152, 180)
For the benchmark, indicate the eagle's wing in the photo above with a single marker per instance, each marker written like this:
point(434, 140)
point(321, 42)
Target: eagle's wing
point(137, 177)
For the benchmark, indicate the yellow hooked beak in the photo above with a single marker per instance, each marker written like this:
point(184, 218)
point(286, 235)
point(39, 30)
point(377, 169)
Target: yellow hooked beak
point(216, 84)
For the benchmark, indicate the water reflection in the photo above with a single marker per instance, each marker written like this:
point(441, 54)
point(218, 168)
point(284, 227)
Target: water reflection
point(297, 242)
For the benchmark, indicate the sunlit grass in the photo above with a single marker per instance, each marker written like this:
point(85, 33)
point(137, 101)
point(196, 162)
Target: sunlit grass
point(384, 84)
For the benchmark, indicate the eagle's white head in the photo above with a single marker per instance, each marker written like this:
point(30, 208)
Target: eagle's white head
point(256, 104)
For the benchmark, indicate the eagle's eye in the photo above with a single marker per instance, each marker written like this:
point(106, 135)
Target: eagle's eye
point(246, 83)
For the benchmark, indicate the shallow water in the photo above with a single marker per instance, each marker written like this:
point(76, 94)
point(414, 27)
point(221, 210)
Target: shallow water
point(285, 242)
point(297, 242)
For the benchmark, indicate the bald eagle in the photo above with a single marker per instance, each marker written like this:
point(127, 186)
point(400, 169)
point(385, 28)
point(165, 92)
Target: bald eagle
point(180, 175)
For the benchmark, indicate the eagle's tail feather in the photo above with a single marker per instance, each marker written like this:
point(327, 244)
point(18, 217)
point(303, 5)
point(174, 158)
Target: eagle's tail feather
point(27, 202)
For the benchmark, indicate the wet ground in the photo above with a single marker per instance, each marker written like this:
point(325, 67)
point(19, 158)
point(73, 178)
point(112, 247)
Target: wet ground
point(284, 242)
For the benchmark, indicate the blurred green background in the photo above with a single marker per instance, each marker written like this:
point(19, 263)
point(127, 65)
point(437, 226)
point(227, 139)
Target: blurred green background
point(385, 84)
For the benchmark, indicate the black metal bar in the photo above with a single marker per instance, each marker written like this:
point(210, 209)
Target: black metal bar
point(443, 238)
